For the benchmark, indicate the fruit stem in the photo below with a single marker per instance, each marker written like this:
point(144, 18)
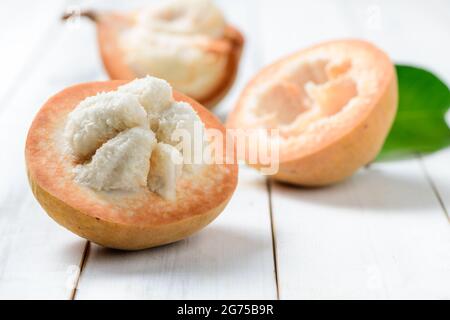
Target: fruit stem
point(90, 14)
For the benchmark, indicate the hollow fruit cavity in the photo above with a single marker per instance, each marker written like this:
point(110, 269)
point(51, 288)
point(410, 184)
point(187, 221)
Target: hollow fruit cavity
point(132, 138)
point(331, 107)
point(311, 91)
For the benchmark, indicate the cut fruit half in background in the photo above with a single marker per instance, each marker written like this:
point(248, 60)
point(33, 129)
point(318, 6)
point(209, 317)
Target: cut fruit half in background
point(333, 105)
point(166, 42)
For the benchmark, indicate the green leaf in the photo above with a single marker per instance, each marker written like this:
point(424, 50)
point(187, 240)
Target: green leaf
point(419, 126)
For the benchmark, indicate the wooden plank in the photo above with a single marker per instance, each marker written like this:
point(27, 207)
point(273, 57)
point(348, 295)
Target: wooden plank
point(40, 260)
point(231, 259)
point(382, 234)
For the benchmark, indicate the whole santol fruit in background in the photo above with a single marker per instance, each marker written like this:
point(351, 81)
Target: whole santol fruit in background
point(333, 104)
point(186, 42)
point(104, 161)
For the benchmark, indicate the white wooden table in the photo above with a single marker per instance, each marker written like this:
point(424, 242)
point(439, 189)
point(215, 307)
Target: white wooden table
point(384, 233)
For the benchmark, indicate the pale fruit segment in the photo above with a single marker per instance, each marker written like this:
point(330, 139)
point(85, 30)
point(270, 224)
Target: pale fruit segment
point(98, 131)
point(99, 118)
point(165, 168)
point(154, 94)
point(122, 163)
point(181, 127)
point(190, 68)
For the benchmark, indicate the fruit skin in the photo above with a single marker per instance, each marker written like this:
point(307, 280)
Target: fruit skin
point(97, 225)
point(108, 28)
point(340, 159)
point(120, 236)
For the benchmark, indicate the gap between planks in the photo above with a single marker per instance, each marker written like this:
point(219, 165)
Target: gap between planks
point(433, 185)
point(274, 241)
point(83, 262)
